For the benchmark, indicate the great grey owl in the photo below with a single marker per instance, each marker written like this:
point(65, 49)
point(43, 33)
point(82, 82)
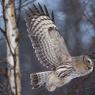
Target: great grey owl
point(51, 51)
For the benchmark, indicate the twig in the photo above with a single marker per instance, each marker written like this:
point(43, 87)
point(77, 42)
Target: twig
point(86, 16)
point(4, 33)
point(2, 30)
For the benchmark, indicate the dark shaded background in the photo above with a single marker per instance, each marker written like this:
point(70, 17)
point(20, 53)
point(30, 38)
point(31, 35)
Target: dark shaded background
point(76, 22)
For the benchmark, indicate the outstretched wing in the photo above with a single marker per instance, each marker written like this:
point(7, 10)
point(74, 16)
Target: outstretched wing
point(49, 46)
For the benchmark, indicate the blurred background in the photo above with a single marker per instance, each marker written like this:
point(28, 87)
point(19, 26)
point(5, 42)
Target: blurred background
point(75, 20)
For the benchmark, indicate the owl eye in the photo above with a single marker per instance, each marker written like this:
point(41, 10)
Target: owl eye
point(88, 61)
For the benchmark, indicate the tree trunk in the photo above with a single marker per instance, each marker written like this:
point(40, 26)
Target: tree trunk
point(12, 37)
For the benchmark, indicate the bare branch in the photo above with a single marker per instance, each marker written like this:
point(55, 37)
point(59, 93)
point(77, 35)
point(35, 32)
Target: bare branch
point(2, 30)
point(4, 33)
point(86, 15)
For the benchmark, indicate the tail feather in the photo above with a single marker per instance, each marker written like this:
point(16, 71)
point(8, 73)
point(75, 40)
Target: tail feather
point(39, 79)
point(35, 80)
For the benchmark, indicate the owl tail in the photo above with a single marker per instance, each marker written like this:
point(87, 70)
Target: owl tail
point(39, 79)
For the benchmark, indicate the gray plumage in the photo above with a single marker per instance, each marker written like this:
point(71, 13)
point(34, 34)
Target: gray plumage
point(51, 51)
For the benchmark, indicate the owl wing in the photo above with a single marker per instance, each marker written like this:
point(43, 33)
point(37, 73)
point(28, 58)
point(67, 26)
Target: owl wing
point(49, 45)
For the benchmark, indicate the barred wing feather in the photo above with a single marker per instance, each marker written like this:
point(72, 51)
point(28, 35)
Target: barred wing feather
point(49, 46)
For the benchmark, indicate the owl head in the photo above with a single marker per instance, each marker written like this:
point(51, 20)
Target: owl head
point(82, 65)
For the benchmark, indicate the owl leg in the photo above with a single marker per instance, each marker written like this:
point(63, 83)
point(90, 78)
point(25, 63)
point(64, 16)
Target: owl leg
point(39, 79)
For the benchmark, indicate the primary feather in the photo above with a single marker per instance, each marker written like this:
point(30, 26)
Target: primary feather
point(49, 46)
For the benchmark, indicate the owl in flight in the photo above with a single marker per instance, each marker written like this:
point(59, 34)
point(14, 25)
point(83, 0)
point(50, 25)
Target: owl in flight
point(51, 51)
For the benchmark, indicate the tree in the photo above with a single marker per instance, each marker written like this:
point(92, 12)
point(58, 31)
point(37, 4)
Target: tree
point(12, 36)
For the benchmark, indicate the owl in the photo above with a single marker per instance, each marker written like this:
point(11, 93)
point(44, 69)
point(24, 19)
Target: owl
point(51, 51)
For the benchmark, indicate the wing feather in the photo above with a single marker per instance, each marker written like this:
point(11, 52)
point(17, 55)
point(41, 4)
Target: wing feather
point(49, 46)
